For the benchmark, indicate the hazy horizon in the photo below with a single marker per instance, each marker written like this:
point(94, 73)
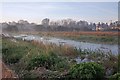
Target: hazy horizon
point(36, 11)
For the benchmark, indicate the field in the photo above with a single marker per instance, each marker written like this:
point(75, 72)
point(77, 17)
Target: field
point(37, 60)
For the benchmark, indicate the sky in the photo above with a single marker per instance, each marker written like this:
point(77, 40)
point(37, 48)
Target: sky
point(36, 11)
point(59, 0)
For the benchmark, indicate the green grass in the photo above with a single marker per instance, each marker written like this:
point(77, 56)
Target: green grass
point(93, 38)
point(28, 57)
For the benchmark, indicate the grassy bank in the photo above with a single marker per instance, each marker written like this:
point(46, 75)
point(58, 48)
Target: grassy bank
point(95, 37)
point(35, 59)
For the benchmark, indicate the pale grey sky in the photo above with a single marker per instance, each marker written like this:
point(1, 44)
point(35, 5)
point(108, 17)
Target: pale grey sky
point(36, 11)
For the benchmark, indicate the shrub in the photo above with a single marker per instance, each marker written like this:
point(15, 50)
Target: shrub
point(87, 71)
point(38, 61)
point(115, 76)
point(13, 54)
point(49, 61)
point(61, 65)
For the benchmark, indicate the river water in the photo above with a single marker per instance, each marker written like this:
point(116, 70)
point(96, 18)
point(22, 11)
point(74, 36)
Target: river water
point(82, 45)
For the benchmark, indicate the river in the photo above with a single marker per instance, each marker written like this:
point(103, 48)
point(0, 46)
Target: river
point(82, 45)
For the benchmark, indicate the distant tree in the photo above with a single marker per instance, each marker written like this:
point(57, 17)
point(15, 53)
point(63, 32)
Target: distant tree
point(45, 22)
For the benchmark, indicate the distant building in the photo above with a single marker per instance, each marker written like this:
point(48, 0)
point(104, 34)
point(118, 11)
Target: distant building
point(99, 27)
point(115, 25)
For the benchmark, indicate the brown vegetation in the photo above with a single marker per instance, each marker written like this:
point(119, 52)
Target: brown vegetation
point(98, 33)
point(6, 72)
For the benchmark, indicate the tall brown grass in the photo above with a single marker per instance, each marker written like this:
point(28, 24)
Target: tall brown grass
point(63, 50)
point(98, 33)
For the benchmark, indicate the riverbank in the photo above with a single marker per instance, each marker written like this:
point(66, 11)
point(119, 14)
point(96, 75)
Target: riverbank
point(35, 59)
point(92, 37)
point(107, 48)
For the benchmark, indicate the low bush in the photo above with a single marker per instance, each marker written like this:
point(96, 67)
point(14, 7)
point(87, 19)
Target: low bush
point(87, 71)
point(12, 54)
point(115, 76)
point(49, 61)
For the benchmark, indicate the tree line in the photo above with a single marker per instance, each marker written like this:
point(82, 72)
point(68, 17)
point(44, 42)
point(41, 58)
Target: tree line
point(61, 25)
